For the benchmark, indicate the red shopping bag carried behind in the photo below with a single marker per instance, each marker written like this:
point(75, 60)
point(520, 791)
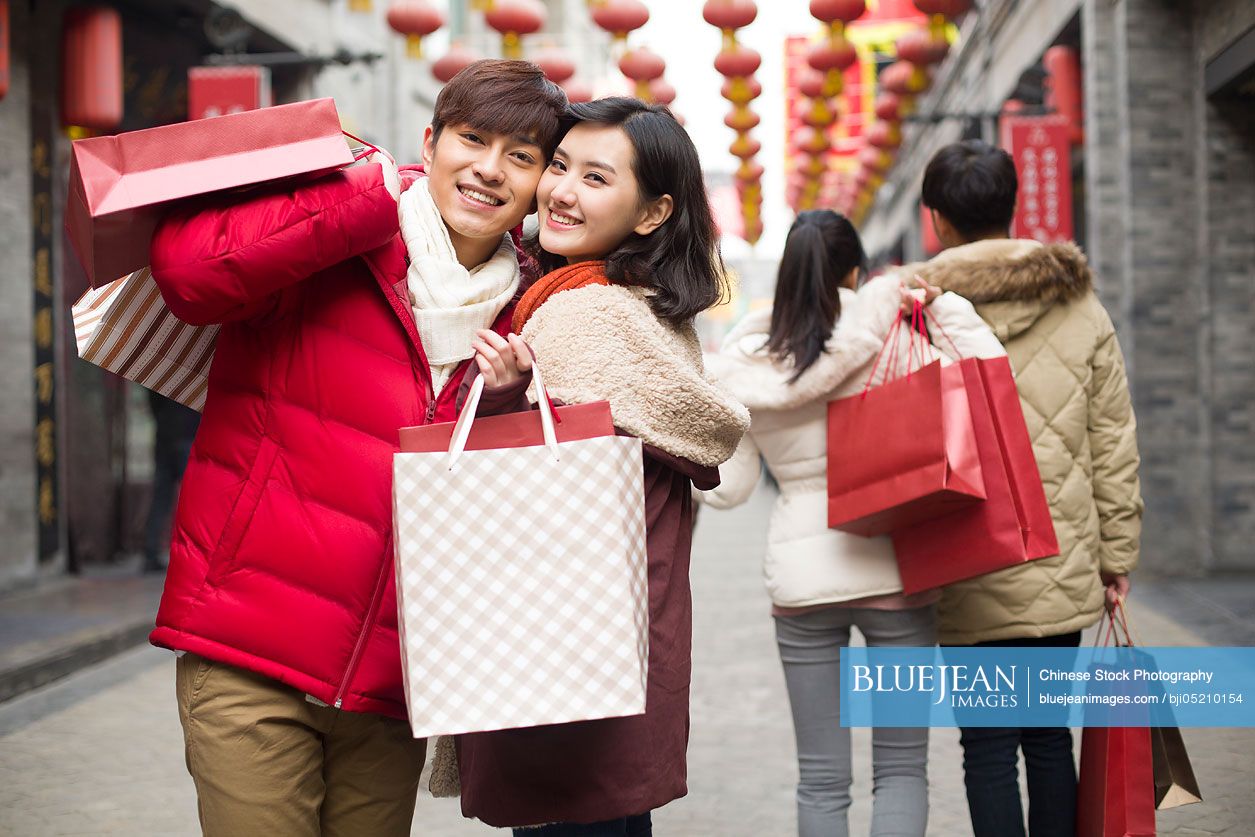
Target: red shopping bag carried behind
point(1116, 793)
point(121, 184)
point(1013, 525)
point(902, 452)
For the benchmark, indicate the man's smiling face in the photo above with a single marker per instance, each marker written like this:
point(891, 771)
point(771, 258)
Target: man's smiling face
point(483, 183)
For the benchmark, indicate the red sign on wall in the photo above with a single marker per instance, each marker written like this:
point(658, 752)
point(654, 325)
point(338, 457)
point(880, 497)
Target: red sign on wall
point(217, 91)
point(1040, 147)
point(4, 47)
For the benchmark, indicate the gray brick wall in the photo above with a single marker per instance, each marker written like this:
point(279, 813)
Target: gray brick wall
point(17, 456)
point(1230, 159)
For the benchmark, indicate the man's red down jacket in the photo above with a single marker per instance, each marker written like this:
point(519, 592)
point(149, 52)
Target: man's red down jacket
point(281, 559)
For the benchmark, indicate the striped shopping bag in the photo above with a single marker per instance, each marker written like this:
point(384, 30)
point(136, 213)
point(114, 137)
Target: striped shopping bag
point(125, 327)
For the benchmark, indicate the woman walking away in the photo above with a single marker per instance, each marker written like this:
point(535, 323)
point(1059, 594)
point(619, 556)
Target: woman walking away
point(817, 343)
point(628, 236)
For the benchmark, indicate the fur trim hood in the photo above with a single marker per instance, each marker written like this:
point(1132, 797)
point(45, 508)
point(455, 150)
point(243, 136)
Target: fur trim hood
point(759, 382)
point(1012, 282)
point(604, 343)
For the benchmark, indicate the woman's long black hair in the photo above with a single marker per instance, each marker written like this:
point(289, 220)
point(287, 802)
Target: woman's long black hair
point(679, 260)
point(822, 248)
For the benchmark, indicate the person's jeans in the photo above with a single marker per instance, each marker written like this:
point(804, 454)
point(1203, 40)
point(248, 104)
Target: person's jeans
point(991, 774)
point(635, 826)
point(810, 650)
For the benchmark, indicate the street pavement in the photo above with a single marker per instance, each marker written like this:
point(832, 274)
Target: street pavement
point(101, 751)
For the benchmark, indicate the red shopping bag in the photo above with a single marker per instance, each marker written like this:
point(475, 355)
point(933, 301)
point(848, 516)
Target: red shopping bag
point(1013, 525)
point(120, 185)
point(903, 452)
point(1116, 793)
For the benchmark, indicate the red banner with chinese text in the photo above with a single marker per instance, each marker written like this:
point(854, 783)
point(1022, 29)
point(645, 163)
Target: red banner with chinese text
point(1040, 146)
point(218, 91)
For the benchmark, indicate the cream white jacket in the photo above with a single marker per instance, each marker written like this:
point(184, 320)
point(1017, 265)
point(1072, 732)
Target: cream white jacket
point(806, 562)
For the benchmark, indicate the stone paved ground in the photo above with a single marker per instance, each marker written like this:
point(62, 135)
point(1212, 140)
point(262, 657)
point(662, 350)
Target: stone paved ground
point(101, 752)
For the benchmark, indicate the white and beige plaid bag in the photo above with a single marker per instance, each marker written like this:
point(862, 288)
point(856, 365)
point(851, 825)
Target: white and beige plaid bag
point(521, 580)
point(125, 327)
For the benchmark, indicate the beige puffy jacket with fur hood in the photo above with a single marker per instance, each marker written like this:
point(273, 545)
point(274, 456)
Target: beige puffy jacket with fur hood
point(1069, 371)
point(806, 562)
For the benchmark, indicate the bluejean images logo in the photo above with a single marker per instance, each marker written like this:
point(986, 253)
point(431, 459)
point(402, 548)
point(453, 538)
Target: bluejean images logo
point(963, 686)
point(1048, 687)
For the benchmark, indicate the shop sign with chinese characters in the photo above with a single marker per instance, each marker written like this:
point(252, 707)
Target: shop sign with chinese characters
point(1040, 147)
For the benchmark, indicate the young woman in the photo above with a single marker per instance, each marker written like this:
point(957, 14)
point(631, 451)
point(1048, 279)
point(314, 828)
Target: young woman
point(819, 342)
point(627, 234)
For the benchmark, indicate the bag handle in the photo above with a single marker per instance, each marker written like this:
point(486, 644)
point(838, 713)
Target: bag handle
point(917, 347)
point(374, 149)
point(462, 429)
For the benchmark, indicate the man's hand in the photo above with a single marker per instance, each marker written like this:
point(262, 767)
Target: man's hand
point(391, 179)
point(501, 360)
point(1117, 589)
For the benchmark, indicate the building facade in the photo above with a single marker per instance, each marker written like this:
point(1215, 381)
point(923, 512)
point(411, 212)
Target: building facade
point(1164, 199)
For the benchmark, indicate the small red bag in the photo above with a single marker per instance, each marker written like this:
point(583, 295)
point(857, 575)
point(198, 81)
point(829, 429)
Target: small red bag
point(1013, 525)
point(1116, 793)
point(120, 185)
point(902, 452)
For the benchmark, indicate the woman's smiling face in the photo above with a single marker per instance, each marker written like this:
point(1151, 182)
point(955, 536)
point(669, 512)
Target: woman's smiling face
point(589, 199)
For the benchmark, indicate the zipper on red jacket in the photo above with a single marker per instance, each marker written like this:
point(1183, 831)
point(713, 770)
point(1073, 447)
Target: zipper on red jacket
point(368, 624)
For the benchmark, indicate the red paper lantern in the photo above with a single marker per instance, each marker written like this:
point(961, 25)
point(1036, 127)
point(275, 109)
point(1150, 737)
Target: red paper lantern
point(619, 17)
point(812, 166)
point(742, 119)
point(741, 91)
point(738, 60)
point(889, 107)
point(1063, 88)
point(91, 67)
point(904, 78)
point(949, 8)
point(555, 64)
point(514, 18)
point(415, 19)
point(921, 48)
point(875, 159)
point(457, 59)
point(884, 135)
point(642, 64)
point(578, 91)
point(662, 91)
point(745, 147)
point(729, 15)
point(837, 11)
point(832, 54)
point(810, 83)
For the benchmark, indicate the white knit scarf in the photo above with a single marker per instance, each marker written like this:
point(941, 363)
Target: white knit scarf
point(451, 302)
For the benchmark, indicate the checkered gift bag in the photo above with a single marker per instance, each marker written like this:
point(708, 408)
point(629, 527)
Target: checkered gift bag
point(521, 580)
point(125, 327)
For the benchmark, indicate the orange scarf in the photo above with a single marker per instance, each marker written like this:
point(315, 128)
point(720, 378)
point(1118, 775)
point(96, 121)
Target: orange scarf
point(578, 275)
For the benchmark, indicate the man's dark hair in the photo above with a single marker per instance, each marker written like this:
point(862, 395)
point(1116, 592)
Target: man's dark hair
point(972, 184)
point(496, 96)
point(679, 260)
point(822, 248)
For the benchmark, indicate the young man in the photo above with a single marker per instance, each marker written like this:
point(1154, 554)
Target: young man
point(1040, 302)
point(348, 308)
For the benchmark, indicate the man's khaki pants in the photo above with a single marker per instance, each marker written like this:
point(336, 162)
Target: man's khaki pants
point(267, 761)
